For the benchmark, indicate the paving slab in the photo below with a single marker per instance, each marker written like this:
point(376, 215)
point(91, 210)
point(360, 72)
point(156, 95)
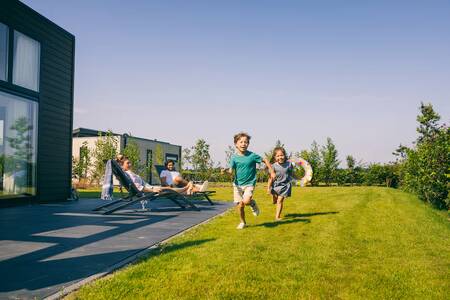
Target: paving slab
point(44, 248)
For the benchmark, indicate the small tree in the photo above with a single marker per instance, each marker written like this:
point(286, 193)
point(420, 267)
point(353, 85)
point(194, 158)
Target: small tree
point(186, 158)
point(201, 159)
point(132, 152)
point(158, 159)
point(330, 162)
point(105, 149)
point(425, 168)
point(81, 166)
point(350, 172)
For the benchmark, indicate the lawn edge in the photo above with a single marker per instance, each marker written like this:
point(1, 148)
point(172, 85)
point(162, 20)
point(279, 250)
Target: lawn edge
point(125, 262)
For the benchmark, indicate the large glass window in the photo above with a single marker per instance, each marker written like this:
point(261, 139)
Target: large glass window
point(3, 52)
point(18, 137)
point(26, 61)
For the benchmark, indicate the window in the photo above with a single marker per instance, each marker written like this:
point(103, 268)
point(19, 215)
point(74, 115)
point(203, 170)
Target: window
point(3, 52)
point(18, 119)
point(173, 157)
point(26, 61)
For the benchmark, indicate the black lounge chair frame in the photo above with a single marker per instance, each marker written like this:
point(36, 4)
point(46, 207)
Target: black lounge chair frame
point(196, 195)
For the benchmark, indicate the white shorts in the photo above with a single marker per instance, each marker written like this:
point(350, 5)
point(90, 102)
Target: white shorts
point(242, 191)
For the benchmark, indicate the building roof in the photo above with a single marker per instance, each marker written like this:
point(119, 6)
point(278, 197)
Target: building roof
point(86, 132)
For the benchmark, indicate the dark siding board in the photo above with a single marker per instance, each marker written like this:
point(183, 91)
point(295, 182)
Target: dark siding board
point(55, 142)
point(55, 110)
point(54, 116)
point(56, 51)
point(59, 82)
point(61, 69)
point(53, 172)
point(57, 151)
point(55, 59)
point(50, 130)
point(53, 92)
point(56, 65)
point(52, 81)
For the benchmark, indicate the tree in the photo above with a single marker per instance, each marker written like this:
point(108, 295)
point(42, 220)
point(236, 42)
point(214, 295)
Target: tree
point(186, 158)
point(132, 152)
point(201, 159)
point(351, 172)
point(81, 166)
point(330, 161)
point(158, 160)
point(425, 168)
point(105, 149)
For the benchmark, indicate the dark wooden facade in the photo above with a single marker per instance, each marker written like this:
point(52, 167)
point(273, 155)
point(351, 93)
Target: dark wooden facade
point(55, 98)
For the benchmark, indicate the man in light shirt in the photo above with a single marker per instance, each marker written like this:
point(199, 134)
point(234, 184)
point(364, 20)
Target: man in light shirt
point(170, 177)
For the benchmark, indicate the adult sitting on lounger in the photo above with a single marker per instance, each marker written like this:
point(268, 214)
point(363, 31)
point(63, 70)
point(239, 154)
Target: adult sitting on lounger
point(171, 177)
point(140, 184)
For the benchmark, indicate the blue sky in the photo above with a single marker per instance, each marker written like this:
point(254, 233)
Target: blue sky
point(297, 71)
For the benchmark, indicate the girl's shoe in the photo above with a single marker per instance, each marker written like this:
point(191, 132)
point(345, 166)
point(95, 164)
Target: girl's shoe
point(241, 226)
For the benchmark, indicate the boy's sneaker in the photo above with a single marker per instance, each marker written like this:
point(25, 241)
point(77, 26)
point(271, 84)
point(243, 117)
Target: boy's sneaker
point(254, 207)
point(241, 226)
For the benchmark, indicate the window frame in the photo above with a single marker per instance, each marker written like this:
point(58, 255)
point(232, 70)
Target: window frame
point(8, 85)
point(8, 42)
point(20, 199)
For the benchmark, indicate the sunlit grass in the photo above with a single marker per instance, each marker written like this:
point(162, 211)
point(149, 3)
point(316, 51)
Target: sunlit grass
point(349, 243)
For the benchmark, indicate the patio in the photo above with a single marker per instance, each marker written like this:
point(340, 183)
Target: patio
point(45, 248)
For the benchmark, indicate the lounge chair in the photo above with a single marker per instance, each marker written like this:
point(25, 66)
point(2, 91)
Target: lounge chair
point(196, 195)
point(134, 195)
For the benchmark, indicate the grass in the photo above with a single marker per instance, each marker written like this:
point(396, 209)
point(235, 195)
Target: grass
point(345, 243)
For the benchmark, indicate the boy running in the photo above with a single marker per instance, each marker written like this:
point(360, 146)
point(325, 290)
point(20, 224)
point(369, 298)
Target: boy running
point(244, 165)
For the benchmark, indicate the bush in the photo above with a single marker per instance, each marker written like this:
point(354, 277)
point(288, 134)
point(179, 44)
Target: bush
point(425, 168)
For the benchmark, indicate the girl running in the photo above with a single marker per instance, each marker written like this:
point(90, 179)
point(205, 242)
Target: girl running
point(280, 187)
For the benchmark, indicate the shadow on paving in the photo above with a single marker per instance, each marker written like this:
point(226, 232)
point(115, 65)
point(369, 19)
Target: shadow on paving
point(44, 247)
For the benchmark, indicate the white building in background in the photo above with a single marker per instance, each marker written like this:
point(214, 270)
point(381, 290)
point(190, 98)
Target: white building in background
point(147, 147)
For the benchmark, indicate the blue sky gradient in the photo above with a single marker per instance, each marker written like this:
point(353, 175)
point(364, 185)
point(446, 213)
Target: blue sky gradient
point(297, 71)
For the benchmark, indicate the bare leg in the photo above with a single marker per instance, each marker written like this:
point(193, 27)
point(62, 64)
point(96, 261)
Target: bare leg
point(241, 207)
point(179, 181)
point(241, 211)
point(274, 199)
point(279, 208)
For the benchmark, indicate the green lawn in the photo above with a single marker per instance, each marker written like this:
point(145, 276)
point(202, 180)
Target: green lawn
point(345, 243)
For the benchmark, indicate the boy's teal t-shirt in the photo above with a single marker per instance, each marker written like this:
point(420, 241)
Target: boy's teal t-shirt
point(245, 168)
